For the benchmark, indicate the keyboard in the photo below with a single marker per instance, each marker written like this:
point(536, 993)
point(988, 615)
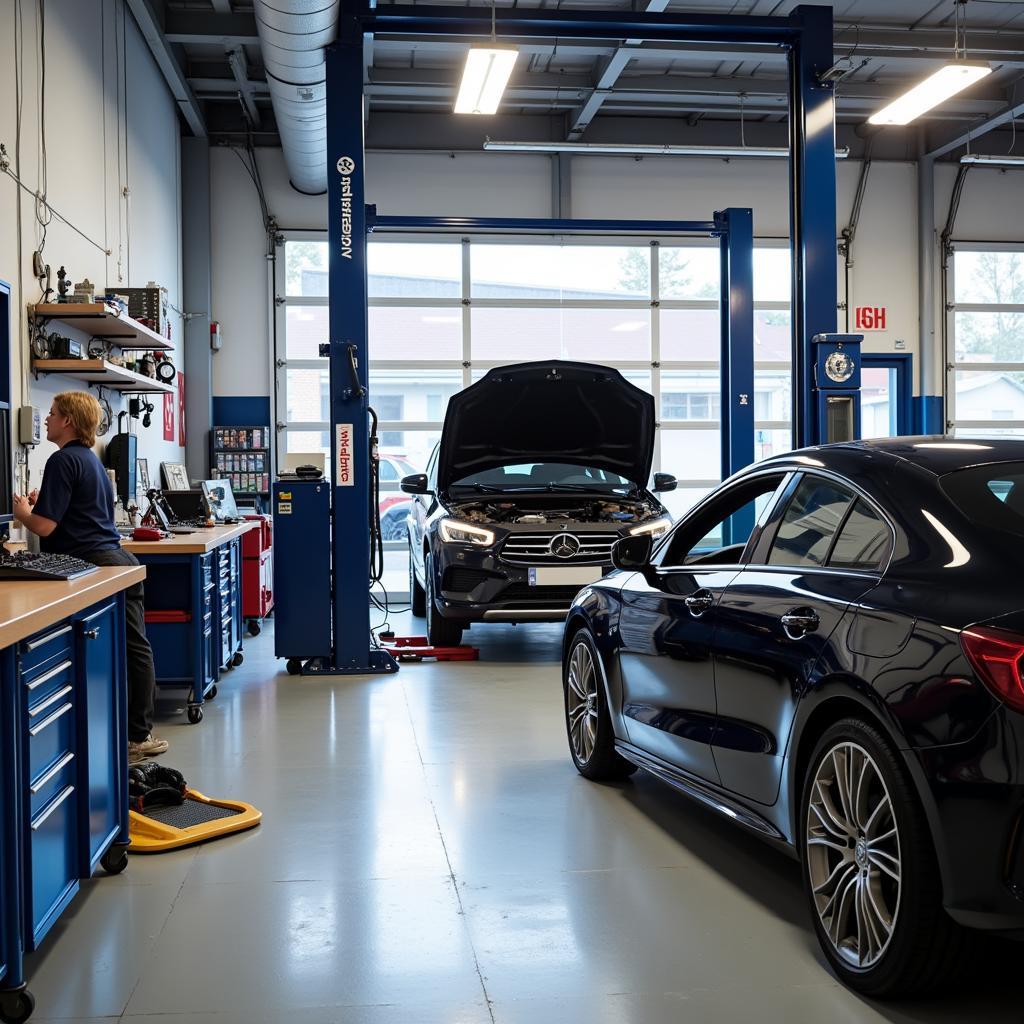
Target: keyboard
point(24, 565)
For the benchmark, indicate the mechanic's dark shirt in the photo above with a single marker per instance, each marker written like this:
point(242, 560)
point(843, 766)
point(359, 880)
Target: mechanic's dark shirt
point(76, 494)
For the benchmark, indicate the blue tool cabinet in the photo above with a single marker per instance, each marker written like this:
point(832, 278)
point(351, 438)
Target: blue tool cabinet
point(194, 612)
point(63, 775)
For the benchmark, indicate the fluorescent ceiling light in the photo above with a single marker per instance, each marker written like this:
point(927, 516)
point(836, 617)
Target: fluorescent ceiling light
point(484, 79)
point(992, 160)
point(935, 89)
point(629, 149)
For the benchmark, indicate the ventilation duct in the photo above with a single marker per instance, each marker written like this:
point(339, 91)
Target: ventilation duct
point(293, 34)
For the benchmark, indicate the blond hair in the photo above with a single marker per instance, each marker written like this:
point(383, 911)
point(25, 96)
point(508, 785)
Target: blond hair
point(84, 412)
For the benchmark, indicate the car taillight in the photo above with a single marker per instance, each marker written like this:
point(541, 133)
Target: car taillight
point(997, 655)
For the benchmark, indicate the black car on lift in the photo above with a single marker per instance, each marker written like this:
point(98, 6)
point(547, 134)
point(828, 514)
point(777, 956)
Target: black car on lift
point(541, 468)
point(844, 677)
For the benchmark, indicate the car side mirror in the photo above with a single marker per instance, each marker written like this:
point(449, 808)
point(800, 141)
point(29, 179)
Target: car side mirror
point(633, 552)
point(664, 482)
point(415, 484)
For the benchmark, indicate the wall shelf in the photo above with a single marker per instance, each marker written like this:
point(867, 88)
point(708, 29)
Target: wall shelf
point(105, 322)
point(104, 374)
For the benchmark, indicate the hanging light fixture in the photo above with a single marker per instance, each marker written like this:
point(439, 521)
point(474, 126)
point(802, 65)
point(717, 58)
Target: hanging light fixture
point(485, 75)
point(956, 76)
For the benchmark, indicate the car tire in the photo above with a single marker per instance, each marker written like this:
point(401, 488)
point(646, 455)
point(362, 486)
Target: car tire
point(588, 725)
point(417, 596)
point(441, 632)
point(870, 870)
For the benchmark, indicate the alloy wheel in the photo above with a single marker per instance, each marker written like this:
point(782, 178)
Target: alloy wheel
point(581, 702)
point(853, 854)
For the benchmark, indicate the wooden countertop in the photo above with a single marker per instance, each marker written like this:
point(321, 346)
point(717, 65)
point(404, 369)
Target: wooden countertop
point(197, 543)
point(27, 606)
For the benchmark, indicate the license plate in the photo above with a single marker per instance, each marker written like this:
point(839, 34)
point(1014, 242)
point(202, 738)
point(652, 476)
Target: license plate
point(564, 575)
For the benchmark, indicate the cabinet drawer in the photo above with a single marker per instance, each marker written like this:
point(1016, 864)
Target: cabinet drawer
point(61, 774)
point(43, 685)
point(51, 734)
point(37, 653)
point(54, 874)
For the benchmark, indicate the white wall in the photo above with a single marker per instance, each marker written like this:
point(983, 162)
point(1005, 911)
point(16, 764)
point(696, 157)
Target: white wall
point(885, 254)
point(110, 123)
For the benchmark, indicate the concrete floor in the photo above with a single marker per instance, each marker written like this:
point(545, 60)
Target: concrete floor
point(428, 855)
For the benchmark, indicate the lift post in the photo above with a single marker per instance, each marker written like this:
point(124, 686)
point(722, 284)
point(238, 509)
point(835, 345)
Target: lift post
point(806, 34)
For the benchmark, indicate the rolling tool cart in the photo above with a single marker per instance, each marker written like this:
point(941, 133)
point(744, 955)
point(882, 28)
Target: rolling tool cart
point(257, 573)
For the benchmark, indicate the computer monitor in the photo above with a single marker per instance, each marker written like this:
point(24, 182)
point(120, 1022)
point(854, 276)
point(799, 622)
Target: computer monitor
point(221, 499)
point(189, 504)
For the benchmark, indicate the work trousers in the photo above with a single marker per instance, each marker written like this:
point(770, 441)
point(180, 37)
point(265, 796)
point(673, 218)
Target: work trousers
point(141, 673)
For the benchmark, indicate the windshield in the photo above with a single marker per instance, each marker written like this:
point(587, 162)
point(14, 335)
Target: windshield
point(546, 476)
point(992, 496)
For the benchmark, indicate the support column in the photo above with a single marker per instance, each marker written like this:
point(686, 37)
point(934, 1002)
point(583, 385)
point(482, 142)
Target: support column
point(736, 303)
point(812, 170)
point(929, 417)
point(197, 259)
point(350, 462)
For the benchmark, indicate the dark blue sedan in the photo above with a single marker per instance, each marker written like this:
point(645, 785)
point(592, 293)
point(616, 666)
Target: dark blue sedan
point(829, 650)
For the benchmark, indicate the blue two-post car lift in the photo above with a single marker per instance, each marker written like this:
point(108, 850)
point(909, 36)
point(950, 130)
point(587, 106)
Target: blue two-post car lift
point(806, 35)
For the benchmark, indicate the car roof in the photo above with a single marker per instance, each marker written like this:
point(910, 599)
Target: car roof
point(935, 454)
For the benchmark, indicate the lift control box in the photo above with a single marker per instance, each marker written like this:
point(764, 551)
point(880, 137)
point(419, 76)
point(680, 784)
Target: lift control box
point(302, 568)
point(837, 379)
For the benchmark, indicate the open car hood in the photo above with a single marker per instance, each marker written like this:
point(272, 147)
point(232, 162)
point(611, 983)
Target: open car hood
point(548, 412)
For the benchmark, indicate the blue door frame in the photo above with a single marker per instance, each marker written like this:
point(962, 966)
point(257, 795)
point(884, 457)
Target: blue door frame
point(903, 364)
point(805, 34)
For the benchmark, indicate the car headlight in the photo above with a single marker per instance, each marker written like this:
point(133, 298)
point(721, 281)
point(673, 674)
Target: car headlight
point(453, 531)
point(656, 527)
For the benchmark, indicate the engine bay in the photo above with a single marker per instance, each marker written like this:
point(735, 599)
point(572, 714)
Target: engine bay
point(535, 513)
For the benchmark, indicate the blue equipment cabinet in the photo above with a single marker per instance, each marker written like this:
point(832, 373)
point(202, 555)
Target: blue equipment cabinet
point(302, 570)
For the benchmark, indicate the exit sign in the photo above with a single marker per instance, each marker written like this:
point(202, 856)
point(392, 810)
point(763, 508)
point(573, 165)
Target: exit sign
point(869, 318)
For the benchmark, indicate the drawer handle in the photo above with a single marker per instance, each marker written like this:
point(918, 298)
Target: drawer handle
point(48, 676)
point(46, 639)
point(51, 700)
point(91, 634)
point(38, 823)
point(62, 763)
point(60, 712)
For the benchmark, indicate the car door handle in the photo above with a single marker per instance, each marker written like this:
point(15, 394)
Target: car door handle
point(700, 602)
point(799, 622)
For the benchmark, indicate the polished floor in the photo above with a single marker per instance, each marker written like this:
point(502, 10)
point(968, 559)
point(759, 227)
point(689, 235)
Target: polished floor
point(428, 855)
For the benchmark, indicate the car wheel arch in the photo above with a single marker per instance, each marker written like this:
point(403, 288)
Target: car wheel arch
point(830, 708)
point(820, 712)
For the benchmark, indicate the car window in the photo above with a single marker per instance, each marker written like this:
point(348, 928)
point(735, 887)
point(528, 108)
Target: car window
point(718, 532)
point(863, 542)
point(388, 473)
point(991, 496)
point(813, 516)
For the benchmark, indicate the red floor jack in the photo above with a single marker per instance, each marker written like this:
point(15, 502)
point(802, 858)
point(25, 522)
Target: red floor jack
point(418, 648)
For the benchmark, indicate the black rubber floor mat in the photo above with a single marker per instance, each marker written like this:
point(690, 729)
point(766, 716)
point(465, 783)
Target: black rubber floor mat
point(191, 812)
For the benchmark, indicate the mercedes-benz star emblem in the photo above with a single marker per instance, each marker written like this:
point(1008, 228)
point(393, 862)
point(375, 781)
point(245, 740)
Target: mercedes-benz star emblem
point(565, 545)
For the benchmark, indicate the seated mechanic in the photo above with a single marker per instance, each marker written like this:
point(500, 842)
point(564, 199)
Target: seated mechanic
point(73, 514)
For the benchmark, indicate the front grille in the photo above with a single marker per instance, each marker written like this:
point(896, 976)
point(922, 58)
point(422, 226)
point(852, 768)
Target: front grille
point(463, 580)
point(535, 549)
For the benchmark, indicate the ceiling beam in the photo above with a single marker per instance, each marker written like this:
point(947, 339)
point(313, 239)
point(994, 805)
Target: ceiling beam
point(246, 92)
point(582, 117)
point(1005, 116)
point(192, 28)
point(149, 25)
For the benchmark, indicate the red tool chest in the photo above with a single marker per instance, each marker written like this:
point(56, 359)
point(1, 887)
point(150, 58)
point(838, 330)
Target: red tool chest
point(257, 572)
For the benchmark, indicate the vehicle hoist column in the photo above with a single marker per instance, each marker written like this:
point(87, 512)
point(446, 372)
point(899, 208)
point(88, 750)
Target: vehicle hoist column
point(350, 461)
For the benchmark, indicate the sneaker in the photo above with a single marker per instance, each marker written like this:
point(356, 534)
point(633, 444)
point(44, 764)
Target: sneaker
point(149, 747)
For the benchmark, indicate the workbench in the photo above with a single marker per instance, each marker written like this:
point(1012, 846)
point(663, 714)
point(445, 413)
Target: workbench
point(63, 755)
point(194, 608)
